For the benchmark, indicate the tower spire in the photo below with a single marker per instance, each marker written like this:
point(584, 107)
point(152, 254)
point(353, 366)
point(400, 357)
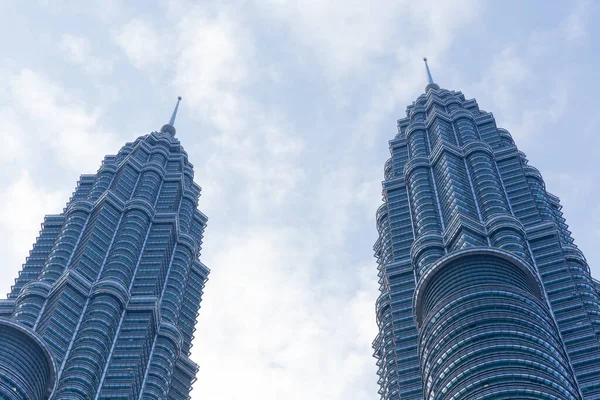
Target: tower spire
point(428, 71)
point(431, 84)
point(170, 127)
point(172, 121)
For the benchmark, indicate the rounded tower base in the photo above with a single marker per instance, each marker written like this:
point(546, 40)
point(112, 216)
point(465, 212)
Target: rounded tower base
point(27, 369)
point(485, 331)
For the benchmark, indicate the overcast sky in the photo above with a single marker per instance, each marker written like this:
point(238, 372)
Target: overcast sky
point(287, 110)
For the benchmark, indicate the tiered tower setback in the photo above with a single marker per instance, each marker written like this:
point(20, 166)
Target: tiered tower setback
point(483, 293)
point(106, 303)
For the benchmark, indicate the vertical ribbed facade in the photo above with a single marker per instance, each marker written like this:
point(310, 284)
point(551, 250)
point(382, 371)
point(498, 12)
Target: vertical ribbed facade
point(106, 303)
point(483, 294)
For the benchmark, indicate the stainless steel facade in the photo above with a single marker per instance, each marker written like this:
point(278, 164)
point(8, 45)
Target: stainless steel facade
point(106, 303)
point(483, 293)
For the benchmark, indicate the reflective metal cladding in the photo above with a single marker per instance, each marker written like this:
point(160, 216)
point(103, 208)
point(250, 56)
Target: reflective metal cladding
point(106, 303)
point(483, 294)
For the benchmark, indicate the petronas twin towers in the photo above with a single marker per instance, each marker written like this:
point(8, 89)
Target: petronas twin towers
point(483, 293)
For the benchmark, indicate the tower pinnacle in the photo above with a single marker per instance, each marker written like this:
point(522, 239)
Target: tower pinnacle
point(170, 127)
point(431, 84)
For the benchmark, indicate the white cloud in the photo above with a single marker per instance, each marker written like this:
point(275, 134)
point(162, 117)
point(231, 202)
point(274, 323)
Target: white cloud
point(145, 47)
point(507, 71)
point(103, 10)
point(535, 119)
point(13, 147)
point(340, 210)
point(350, 36)
point(56, 120)
point(343, 34)
point(214, 64)
point(505, 87)
point(575, 25)
point(525, 100)
point(78, 50)
point(281, 328)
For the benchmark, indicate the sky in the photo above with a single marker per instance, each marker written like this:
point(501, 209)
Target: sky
point(287, 110)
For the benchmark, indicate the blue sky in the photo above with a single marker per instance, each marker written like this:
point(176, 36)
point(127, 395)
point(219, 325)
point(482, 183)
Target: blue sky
point(287, 110)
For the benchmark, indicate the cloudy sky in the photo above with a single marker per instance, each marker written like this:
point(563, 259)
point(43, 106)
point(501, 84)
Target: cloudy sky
point(287, 110)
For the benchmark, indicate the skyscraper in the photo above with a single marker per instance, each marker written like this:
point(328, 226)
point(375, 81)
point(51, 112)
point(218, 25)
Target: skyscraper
point(484, 295)
point(106, 303)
